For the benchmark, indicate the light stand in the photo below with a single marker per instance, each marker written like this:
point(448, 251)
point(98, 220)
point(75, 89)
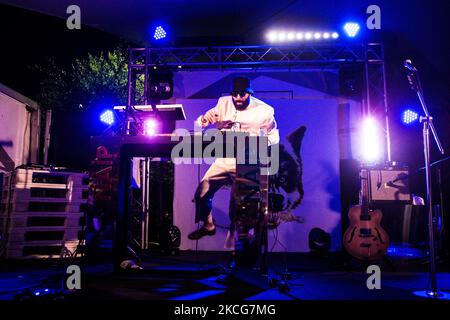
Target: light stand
point(414, 80)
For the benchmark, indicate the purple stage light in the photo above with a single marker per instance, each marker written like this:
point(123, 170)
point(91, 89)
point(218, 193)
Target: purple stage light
point(370, 135)
point(150, 127)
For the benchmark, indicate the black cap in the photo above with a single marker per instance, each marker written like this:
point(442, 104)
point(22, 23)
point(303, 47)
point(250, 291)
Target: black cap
point(242, 84)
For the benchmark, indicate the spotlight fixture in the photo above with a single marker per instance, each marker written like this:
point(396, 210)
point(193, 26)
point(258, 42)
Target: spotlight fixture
point(351, 29)
point(160, 83)
point(370, 140)
point(409, 116)
point(107, 117)
point(160, 33)
point(150, 127)
point(281, 36)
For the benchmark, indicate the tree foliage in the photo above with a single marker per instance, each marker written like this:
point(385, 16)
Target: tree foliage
point(86, 82)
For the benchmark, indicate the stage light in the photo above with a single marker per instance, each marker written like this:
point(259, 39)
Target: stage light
point(370, 141)
point(281, 36)
point(272, 36)
point(299, 35)
point(160, 83)
point(409, 116)
point(107, 117)
point(160, 33)
point(442, 295)
point(351, 29)
point(150, 127)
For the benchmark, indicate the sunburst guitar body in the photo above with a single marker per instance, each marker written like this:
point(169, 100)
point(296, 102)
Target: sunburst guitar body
point(365, 239)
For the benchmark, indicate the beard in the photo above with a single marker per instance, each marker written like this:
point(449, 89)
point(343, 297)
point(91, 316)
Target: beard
point(241, 105)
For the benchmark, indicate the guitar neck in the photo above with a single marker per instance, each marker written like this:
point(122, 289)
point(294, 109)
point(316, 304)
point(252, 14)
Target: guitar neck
point(364, 198)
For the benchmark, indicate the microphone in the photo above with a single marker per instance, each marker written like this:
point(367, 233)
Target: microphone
point(408, 65)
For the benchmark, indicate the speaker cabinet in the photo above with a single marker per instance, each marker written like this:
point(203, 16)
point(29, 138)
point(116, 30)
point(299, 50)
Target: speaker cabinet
point(389, 184)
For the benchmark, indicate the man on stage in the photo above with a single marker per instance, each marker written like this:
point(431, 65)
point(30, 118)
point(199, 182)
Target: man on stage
point(239, 112)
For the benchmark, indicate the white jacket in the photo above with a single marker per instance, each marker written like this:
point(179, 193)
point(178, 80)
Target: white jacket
point(257, 117)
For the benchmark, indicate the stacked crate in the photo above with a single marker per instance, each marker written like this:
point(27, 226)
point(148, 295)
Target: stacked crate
point(42, 213)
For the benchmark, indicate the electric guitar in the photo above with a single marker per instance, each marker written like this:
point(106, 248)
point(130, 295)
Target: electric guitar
point(365, 239)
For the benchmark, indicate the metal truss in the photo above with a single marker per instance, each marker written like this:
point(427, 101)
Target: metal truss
point(246, 56)
point(142, 61)
point(375, 85)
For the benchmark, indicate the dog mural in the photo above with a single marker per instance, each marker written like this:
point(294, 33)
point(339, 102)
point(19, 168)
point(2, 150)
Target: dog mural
point(286, 187)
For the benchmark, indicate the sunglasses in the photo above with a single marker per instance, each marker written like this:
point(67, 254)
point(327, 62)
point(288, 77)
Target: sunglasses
point(239, 93)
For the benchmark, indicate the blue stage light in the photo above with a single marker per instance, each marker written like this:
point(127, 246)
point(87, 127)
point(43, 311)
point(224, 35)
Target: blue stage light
point(160, 33)
point(107, 117)
point(409, 116)
point(351, 29)
point(426, 294)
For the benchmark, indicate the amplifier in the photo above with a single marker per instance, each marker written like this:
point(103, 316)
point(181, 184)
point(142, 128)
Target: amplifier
point(389, 184)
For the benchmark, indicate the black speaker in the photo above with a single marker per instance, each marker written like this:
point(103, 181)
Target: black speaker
point(349, 186)
point(160, 84)
point(351, 80)
point(404, 223)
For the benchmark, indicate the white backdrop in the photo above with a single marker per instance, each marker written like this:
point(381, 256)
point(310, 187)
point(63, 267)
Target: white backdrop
point(14, 130)
point(329, 137)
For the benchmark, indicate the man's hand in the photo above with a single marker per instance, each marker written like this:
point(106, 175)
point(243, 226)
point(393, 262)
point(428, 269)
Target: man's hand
point(209, 118)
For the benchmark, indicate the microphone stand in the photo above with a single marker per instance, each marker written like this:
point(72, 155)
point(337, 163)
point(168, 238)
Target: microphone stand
point(407, 176)
point(414, 80)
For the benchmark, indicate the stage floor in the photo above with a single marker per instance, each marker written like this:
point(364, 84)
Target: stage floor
point(205, 276)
